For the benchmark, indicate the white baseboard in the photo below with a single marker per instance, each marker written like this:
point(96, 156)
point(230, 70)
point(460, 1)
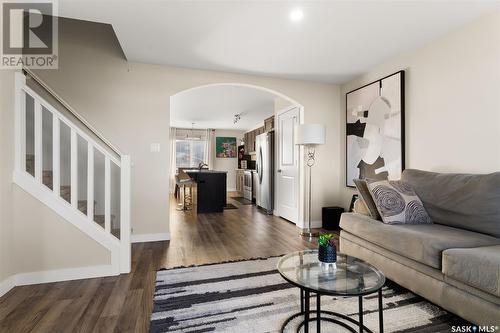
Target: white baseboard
point(7, 285)
point(143, 238)
point(65, 274)
point(56, 275)
point(314, 224)
point(231, 189)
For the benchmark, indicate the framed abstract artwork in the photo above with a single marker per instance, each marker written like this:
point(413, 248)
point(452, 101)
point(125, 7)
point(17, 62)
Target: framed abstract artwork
point(375, 130)
point(225, 147)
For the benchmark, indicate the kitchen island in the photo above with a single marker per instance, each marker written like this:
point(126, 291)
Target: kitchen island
point(211, 190)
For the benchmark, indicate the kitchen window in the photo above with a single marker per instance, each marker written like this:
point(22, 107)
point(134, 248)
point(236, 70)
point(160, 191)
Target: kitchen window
point(190, 153)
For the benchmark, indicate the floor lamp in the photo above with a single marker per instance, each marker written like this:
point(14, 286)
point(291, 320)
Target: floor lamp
point(309, 136)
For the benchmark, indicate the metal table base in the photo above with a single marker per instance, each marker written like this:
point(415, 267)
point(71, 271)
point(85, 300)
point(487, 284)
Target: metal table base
point(306, 312)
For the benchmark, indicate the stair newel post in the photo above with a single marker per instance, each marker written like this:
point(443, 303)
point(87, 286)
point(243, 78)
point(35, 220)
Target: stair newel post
point(107, 195)
point(125, 227)
point(38, 141)
point(56, 156)
point(74, 169)
point(90, 181)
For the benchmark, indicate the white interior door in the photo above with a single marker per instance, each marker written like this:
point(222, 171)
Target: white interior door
point(287, 177)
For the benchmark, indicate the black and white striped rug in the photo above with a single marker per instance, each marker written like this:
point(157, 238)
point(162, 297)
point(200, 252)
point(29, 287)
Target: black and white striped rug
point(250, 296)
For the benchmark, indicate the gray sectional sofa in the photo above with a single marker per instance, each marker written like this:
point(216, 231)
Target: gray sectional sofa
point(455, 262)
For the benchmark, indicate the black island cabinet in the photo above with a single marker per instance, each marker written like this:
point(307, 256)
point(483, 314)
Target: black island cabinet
point(211, 190)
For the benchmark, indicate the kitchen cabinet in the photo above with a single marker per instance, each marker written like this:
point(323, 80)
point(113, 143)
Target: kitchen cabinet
point(245, 140)
point(211, 190)
point(269, 124)
point(252, 142)
point(250, 139)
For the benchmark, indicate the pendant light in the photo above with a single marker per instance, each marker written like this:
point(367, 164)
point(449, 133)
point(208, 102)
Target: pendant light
point(192, 136)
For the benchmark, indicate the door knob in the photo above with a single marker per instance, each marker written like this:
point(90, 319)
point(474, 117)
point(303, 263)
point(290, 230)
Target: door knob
point(279, 170)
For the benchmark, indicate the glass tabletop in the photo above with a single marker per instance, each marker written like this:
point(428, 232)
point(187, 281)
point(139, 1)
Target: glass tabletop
point(350, 277)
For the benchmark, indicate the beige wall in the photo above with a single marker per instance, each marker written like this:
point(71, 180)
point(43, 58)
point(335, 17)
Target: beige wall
point(32, 237)
point(129, 104)
point(281, 103)
point(452, 101)
point(7, 155)
point(228, 164)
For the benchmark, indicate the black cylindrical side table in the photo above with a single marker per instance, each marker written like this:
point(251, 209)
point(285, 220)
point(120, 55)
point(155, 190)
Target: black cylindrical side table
point(331, 217)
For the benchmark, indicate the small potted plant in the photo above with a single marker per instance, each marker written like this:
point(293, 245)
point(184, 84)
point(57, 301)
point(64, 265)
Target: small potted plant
point(327, 252)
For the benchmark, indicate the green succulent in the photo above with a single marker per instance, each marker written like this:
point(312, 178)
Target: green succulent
point(326, 240)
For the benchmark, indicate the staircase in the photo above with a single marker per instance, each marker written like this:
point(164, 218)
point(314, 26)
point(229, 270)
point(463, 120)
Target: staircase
point(65, 192)
point(83, 179)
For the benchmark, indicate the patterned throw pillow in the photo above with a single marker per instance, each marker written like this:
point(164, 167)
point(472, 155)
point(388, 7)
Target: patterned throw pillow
point(397, 202)
point(365, 194)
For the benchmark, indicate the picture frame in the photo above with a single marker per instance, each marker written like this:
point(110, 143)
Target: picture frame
point(225, 147)
point(375, 129)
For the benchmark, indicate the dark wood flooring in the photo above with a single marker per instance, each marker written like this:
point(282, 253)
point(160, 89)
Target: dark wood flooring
point(123, 303)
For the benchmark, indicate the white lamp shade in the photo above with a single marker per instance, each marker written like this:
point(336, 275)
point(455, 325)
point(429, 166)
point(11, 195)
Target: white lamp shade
point(310, 134)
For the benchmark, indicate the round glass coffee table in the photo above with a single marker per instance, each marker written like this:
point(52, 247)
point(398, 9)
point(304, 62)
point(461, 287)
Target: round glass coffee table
point(350, 276)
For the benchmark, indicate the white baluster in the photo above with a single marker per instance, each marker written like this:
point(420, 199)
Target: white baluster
point(74, 169)
point(38, 141)
point(107, 195)
point(56, 156)
point(90, 181)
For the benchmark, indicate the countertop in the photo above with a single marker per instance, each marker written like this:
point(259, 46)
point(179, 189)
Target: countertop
point(204, 171)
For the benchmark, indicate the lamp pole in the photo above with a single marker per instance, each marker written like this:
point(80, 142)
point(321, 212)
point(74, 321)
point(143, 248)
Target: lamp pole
point(310, 135)
point(311, 151)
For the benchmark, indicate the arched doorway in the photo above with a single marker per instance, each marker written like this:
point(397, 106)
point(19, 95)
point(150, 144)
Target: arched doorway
point(283, 103)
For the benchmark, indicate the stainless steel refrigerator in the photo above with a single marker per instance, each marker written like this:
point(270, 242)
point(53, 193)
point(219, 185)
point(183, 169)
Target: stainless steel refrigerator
point(264, 147)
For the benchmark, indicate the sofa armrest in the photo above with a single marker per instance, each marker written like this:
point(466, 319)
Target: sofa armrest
point(346, 218)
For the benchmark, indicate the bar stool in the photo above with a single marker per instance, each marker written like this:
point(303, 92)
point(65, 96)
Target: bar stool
point(184, 182)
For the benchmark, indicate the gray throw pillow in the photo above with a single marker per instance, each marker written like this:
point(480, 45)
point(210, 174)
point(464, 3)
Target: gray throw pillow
point(397, 202)
point(365, 194)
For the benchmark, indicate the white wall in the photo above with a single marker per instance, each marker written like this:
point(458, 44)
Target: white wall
point(227, 164)
point(452, 102)
point(281, 104)
point(129, 103)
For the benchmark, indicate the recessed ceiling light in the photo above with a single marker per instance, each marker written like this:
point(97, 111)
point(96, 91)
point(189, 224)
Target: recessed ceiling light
point(296, 15)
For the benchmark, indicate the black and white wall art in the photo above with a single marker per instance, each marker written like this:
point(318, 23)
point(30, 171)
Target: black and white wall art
point(375, 130)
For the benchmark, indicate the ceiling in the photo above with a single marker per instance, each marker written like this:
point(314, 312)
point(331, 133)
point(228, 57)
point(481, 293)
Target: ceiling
point(215, 107)
point(334, 42)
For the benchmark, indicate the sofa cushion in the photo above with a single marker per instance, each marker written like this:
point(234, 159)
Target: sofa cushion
point(365, 194)
point(359, 207)
point(421, 242)
point(397, 202)
point(463, 201)
point(478, 267)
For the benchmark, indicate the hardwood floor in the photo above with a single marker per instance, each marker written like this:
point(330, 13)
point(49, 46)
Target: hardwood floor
point(123, 303)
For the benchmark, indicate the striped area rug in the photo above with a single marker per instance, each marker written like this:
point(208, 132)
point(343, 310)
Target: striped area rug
point(251, 296)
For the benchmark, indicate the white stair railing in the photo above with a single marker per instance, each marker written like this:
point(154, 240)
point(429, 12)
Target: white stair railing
point(61, 165)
